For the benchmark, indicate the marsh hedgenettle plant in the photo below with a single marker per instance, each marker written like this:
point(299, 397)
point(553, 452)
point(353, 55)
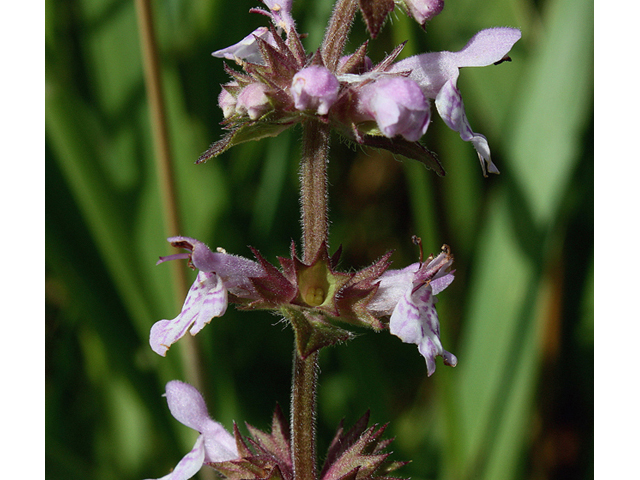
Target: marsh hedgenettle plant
point(274, 84)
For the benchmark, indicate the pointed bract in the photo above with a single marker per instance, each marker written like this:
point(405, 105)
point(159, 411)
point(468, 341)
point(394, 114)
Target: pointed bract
point(358, 454)
point(375, 13)
point(273, 287)
point(277, 443)
point(265, 456)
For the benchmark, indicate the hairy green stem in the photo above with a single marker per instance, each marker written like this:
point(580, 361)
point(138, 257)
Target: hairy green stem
point(164, 167)
point(303, 416)
point(337, 32)
point(315, 230)
point(313, 184)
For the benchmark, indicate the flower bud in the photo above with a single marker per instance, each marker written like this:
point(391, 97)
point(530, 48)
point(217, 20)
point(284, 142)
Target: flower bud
point(423, 10)
point(253, 101)
point(397, 105)
point(227, 103)
point(315, 88)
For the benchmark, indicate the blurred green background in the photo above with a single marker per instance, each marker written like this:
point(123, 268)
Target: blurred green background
point(519, 316)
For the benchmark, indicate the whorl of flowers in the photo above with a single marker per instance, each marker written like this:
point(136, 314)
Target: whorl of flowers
point(386, 106)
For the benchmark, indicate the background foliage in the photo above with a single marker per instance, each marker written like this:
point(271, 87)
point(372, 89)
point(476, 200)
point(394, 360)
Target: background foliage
point(519, 315)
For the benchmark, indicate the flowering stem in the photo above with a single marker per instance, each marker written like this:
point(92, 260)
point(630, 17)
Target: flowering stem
point(313, 184)
point(313, 200)
point(303, 416)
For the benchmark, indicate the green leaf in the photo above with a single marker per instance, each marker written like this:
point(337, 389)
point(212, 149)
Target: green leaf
point(552, 109)
point(497, 353)
point(248, 132)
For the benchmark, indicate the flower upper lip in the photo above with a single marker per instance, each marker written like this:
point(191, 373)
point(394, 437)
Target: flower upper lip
point(247, 50)
point(437, 73)
point(233, 269)
point(432, 70)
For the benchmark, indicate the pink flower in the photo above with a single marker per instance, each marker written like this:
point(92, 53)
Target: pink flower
point(397, 105)
point(227, 102)
point(220, 274)
point(315, 88)
point(215, 444)
point(253, 101)
point(437, 74)
point(279, 12)
point(247, 50)
point(422, 10)
point(408, 295)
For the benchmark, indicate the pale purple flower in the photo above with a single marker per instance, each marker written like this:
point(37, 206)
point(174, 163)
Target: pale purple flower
point(316, 88)
point(408, 295)
point(215, 444)
point(279, 12)
point(397, 105)
point(253, 101)
point(437, 74)
point(422, 10)
point(220, 274)
point(227, 102)
point(247, 50)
